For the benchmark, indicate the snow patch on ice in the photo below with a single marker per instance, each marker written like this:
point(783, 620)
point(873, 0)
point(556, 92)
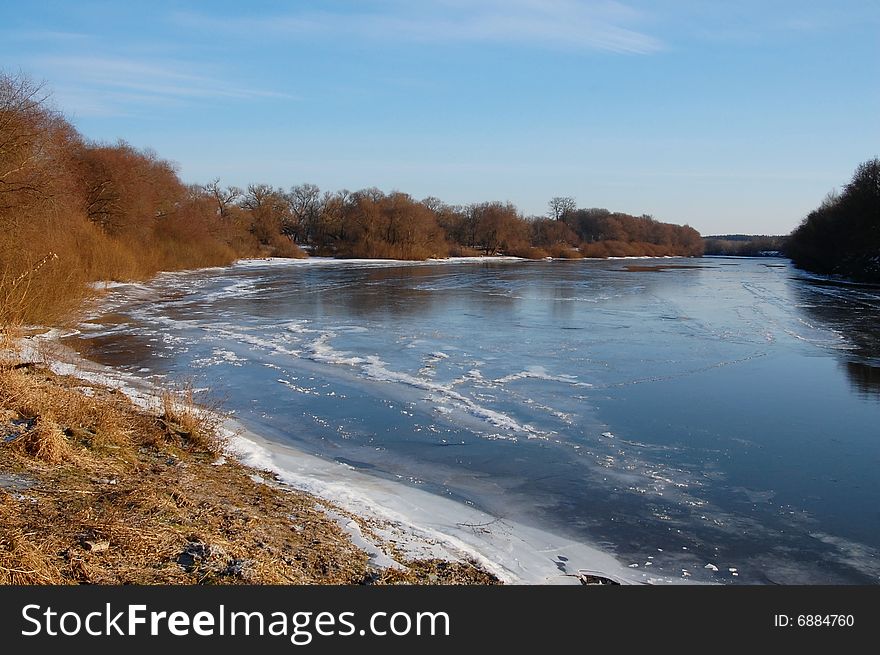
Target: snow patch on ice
point(421, 524)
point(540, 373)
point(373, 368)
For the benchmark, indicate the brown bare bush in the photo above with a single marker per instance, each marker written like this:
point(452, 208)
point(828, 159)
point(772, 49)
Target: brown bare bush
point(45, 442)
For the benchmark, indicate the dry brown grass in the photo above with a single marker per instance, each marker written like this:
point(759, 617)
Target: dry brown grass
point(31, 287)
point(44, 442)
point(194, 423)
point(96, 490)
point(24, 561)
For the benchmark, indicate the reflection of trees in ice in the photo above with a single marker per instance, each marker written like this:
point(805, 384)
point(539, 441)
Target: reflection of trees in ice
point(865, 378)
point(854, 312)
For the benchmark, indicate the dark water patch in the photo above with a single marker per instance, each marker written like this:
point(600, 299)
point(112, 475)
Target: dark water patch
point(110, 318)
point(652, 268)
point(820, 281)
point(122, 350)
point(865, 378)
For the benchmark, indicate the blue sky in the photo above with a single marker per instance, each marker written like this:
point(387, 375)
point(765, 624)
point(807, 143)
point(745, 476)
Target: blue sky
point(729, 116)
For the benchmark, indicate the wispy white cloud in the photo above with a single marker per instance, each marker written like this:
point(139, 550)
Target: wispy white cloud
point(120, 86)
point(559, 24)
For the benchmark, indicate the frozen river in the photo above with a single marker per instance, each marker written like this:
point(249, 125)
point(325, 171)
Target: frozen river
point(711, 419)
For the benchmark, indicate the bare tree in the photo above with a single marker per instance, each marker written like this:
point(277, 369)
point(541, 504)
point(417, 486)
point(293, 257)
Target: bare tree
point(31, 134)
point(499, 228)
point(559, 206)
point(258, 197)
point(270, 213)
point(305, 209)
point(225, 198)
point(434, 204)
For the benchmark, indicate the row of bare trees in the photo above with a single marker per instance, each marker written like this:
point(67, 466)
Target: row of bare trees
point(370, 223)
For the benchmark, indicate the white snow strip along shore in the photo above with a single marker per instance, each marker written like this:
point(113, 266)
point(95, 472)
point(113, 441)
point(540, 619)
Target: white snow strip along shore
point(421, 524)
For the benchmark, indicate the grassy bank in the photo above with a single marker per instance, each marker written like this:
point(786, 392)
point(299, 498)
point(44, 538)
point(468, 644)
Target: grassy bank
point(94, 489)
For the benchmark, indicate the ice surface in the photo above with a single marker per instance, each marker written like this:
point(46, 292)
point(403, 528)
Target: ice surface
point(647, 413)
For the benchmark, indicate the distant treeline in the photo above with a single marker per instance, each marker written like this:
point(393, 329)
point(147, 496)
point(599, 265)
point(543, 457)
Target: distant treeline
point(74, 211)
point(744, 245)
point(370, 223)
point(842, 236)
